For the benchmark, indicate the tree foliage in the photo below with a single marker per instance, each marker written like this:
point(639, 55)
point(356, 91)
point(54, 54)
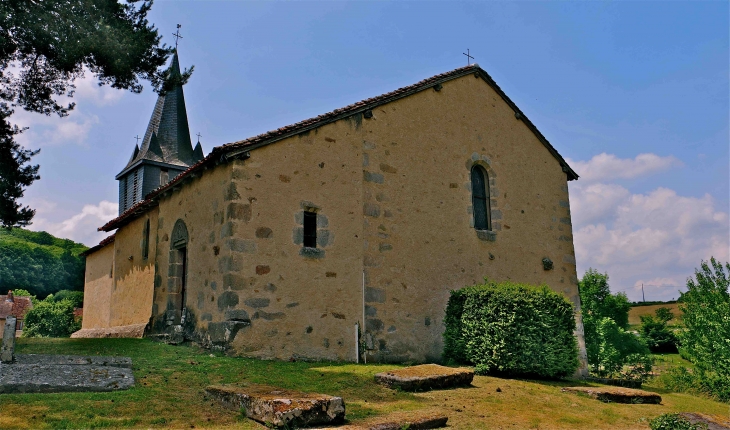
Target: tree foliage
point(50, 319)
point(44, 47)
point(39, 262)
point(612, 351)
point(655, 332)
point(706, 338)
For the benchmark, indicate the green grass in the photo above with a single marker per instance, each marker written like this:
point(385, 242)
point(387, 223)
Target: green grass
point(170, 381)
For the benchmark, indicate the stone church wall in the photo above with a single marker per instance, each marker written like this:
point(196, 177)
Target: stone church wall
point(419, 237)
point(98, 286)
point(395, 232)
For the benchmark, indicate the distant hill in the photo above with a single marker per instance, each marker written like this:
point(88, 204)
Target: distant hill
point(636, 312)
point(39, 262)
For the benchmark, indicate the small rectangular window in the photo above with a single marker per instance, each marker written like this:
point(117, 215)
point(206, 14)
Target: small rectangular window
point(164, 176)
point(310, 229)
point(146, 240)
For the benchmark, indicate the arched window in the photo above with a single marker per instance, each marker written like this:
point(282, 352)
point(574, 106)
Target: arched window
point(480, 198)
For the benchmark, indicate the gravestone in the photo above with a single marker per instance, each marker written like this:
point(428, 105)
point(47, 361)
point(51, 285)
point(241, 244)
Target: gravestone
point(7, 350)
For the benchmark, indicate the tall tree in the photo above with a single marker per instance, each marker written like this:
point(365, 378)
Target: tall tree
point(45, 45)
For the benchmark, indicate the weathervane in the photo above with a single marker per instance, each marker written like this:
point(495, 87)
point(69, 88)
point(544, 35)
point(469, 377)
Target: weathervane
point(468, 57)
point(177, 35)
point(199, 136)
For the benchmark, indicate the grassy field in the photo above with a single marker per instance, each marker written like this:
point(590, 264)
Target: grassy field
point(170, 382)
point(636, 312)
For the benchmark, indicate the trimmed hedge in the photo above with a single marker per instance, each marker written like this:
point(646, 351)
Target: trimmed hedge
point(511, 329)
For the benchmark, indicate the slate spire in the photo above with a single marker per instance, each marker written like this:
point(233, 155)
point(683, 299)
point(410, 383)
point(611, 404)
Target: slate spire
point(166, 148)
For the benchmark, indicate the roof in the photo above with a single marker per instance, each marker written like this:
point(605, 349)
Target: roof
point(17, 308)
point(106, 241)
point(242, 147)
point(167, 139)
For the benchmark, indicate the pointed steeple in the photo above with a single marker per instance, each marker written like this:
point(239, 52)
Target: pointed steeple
point(166, 148)
point(169, 127)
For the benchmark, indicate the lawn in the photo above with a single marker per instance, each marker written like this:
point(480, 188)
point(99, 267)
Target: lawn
point(636, 312)
point(170, 382)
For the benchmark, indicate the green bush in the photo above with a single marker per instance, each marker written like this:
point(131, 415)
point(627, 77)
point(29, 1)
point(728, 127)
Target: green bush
point(76, 297)
point(512, 330)
point(674, 422)
point(619, 354)
point(50, 319)
point(612, 351)
point(655, 332)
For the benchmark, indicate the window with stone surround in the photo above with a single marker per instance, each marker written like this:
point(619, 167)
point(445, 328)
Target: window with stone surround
point(480, 198)
point(146, 239)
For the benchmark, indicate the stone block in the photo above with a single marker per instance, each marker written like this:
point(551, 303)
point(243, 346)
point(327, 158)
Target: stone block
point(257, 303)
point(278, 407)
point(425, 377)
point(376, 178)
point(229, 299)
point(372, 210)
point(419, 423)
point(237, 315)
point(376, 295)
point(239, 211)
point(487, 235)
point(229, 264)
point(225, 331)
point(264, 233)
point(617, 394)
point(315, 253)
point(241, 245)
point(7, 349)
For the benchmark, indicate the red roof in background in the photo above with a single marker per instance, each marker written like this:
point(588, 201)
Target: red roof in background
point(233, 149)
point(17, 308)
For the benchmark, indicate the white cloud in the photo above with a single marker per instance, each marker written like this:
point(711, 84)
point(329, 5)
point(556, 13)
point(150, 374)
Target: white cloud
point(606, 167)
point(657, 238)
point(80, 227)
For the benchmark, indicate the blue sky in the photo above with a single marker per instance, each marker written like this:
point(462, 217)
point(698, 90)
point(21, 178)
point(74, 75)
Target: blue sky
point(605, 82)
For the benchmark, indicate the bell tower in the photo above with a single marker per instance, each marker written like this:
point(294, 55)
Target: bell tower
point(166, 149)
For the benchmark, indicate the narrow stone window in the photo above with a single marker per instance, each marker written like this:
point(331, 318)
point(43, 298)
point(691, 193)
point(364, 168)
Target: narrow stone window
point(310, 229)
point(480, 198)
point(146, 240)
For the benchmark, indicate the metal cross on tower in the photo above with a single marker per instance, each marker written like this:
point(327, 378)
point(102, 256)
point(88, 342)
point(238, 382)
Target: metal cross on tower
point(138, 138)
point(468, 57)
point(177, 35)
point(199, 136)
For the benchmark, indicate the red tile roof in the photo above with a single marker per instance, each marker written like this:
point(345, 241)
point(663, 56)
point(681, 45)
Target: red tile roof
point(241, 147)
point(17, 308)
point(106, 241)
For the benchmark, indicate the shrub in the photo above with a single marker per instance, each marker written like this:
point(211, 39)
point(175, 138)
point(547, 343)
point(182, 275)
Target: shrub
point(511, 329)
point(612, 351)
point(76, 297)
point(50, 319)
point(619, 354)
point(674, 422)
point(655, 333)
point(24, 293)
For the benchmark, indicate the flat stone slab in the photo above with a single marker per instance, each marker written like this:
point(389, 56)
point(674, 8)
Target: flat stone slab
point(128, 331)
point(35, 373)
point(425, 377)
point(279, 407)
point(712, 422)
point(617, 394)
point(55, 360)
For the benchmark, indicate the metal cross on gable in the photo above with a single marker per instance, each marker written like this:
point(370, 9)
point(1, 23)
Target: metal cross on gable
point(199, 136)
point(177, 35)
point(468, 57)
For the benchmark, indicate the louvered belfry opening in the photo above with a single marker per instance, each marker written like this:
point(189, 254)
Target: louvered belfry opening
point(480, 198)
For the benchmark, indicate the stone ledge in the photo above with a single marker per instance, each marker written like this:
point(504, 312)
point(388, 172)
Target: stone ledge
point(278, 407)
point(712, 422)
point(129, 331)
point(419, 423)
point(617, 394)
point(425, 377)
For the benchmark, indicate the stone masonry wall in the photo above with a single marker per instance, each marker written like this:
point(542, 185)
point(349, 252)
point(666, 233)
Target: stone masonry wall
point(98, 284)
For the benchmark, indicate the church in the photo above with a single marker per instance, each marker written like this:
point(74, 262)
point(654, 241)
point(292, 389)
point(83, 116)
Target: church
point(338, 237)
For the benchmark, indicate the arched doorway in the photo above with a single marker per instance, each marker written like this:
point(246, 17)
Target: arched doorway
point(178, 274)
